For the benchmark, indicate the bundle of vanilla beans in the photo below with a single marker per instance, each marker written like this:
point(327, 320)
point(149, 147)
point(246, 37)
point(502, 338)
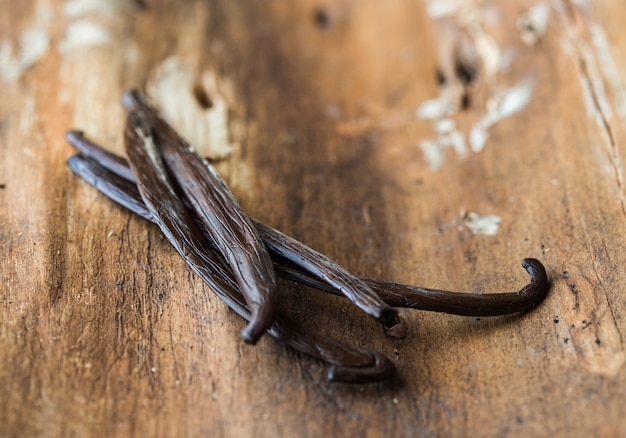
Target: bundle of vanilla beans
point(166, 182)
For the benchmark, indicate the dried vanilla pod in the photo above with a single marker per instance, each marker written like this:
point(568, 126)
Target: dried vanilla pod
point(224, 221)
point(165, 182)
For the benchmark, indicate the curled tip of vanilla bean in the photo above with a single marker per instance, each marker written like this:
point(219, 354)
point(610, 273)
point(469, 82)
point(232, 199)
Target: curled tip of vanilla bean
point(539, 283)
point(398, 330)
point(256, 327)
point(382, 369)
point(468, 304)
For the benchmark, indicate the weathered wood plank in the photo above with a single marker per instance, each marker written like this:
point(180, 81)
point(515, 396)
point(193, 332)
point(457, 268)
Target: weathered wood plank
point(104, 331)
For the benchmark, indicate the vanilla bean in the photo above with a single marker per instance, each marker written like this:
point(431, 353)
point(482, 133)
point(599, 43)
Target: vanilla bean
point(166, 182)
point(436, 300)
point(224, 221)
point(97, 153)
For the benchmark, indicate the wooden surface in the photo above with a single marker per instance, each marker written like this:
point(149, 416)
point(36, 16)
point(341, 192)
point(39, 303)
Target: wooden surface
point(105, 332)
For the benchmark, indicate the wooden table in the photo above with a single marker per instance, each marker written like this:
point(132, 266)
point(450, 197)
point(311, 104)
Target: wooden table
point(334, 118)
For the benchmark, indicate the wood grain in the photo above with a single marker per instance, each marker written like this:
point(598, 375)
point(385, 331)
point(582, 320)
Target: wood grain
point(105, 332)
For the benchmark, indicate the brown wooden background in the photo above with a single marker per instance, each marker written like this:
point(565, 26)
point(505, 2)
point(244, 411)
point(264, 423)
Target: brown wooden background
point(104, 331)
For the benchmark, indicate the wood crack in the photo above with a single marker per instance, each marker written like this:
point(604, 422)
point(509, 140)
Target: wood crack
point(610, 306)
point(593, 81)
point(605, 125)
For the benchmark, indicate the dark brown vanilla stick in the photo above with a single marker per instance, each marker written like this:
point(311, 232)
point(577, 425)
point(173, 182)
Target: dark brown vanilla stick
point(348, 364)
point(165, 208)
point(224, 221)
point(97, 153)
point(316, 265)
point(456, 303)
point(394, 294)
point(301, 264)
